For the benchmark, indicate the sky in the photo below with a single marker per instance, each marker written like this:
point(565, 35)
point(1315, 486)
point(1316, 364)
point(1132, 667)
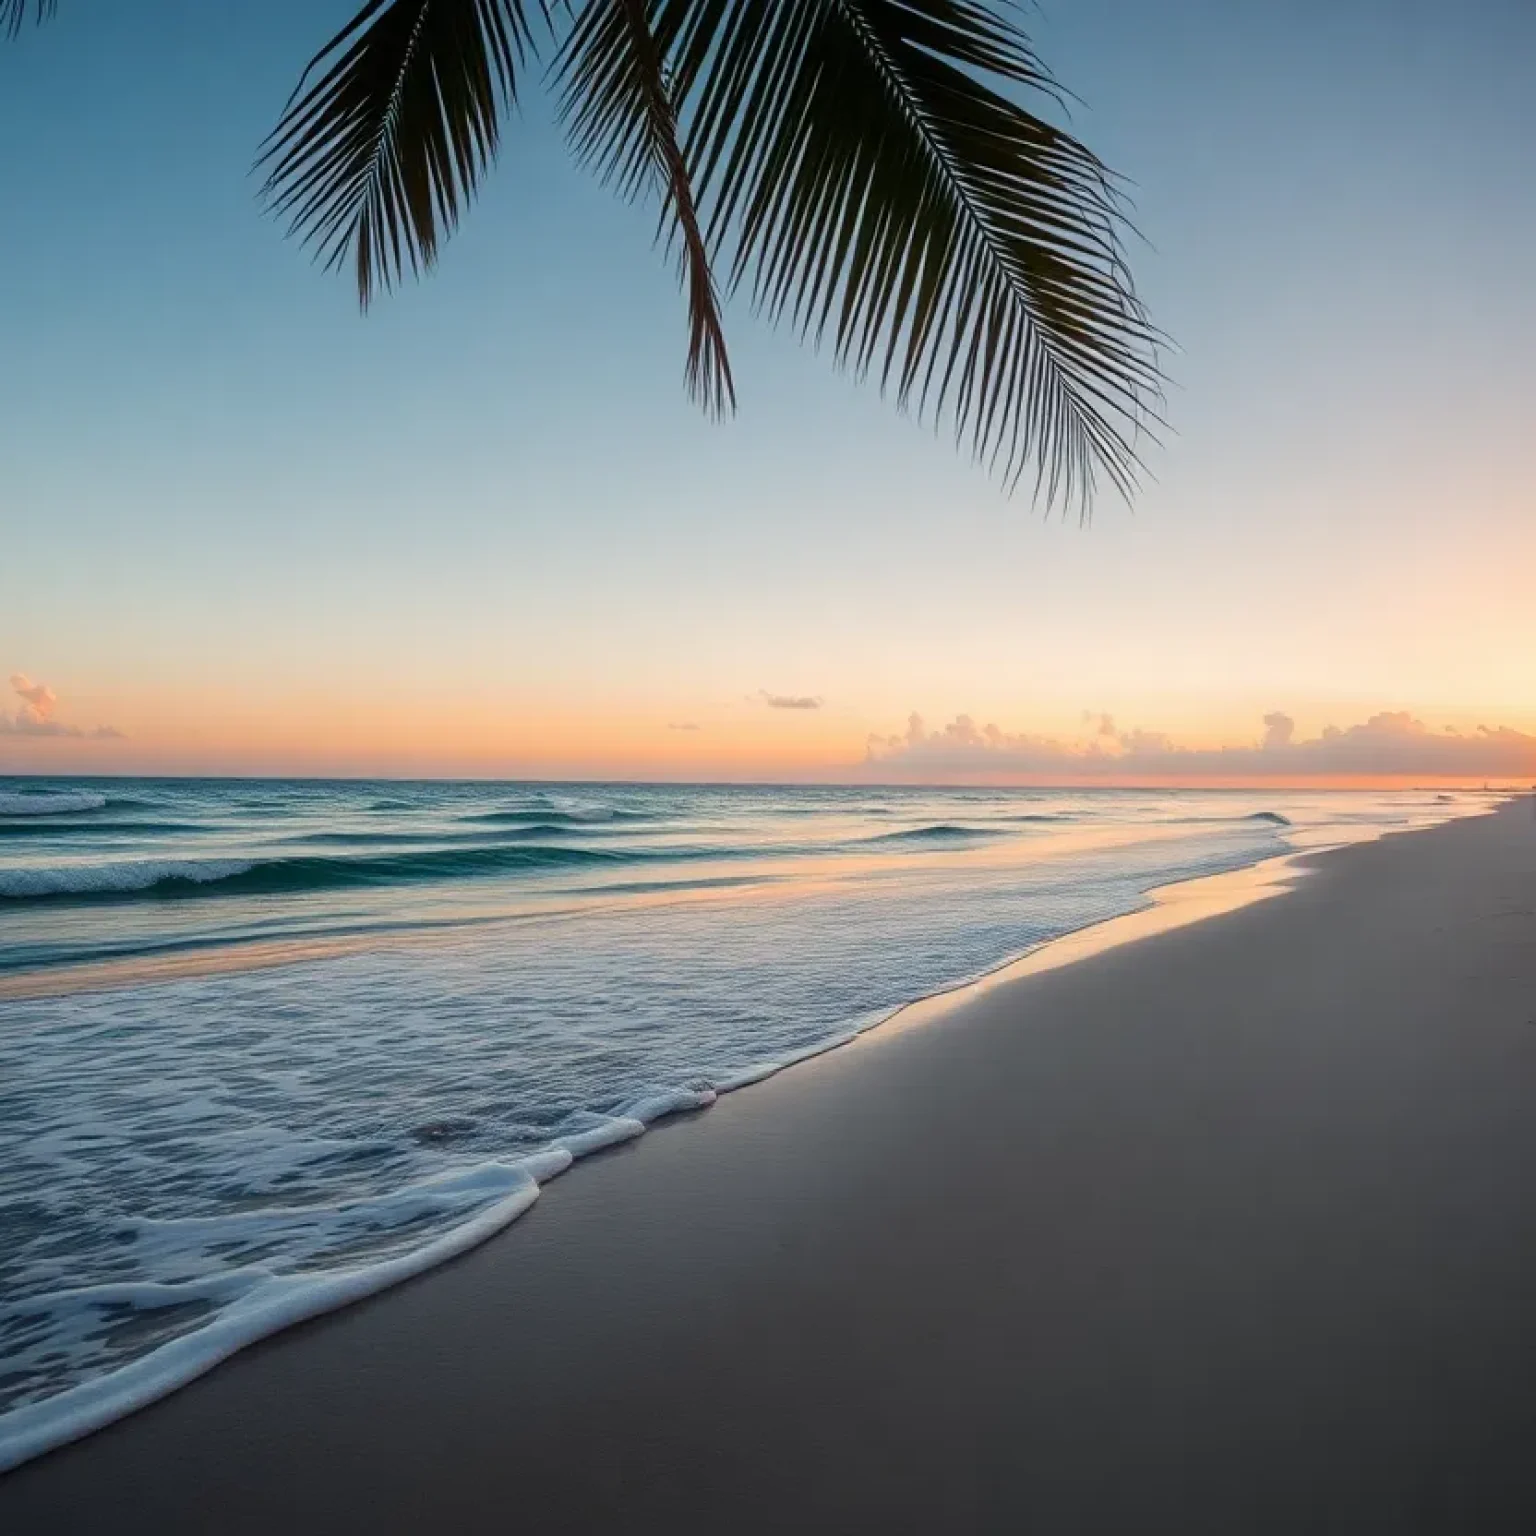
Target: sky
point(482, 530)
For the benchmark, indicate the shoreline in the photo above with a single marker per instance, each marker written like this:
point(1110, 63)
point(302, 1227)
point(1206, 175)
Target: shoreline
point(277, 1304)
point(970, 1004)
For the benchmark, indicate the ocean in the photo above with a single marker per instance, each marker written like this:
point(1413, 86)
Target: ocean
point(268, 1046)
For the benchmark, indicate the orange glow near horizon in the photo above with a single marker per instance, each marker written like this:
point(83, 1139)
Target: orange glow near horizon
point(473, 733)
point(639, 761)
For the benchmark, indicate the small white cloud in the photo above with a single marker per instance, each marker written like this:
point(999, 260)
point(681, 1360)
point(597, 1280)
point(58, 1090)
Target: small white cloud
point(37, 699)
point(34, 715)
point(25, 723)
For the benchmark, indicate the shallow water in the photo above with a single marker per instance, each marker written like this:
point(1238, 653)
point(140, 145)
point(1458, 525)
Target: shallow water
point(496, 977)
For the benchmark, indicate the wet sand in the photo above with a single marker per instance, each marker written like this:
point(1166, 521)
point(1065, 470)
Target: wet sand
point(1230, 1229)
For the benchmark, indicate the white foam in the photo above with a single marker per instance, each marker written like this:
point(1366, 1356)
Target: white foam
point(48, 803)
point(258, 1302)
point(548, 1164)
point(610, 1132)
point(126, 875)
point(762, 1070)
point(579, 810)
point(670, 1101)
point(756, 1073)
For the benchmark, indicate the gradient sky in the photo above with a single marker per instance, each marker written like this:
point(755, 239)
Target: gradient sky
point(484, 531)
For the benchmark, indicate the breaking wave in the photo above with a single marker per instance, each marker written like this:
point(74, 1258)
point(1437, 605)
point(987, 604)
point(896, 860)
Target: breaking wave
point(941, 832)
point(315, 872)
point(50, 803)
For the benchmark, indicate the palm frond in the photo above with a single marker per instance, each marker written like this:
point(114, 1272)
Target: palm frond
point(13, 13)
point(377, 158)
point(622, 118)
point(866, 170)
point(878, 189)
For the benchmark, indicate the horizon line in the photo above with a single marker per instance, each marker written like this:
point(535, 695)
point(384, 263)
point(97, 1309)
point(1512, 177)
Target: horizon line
point(1233, 784)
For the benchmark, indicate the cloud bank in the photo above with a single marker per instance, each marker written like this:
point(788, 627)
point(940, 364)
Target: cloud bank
point(1386, 745)
point(34, 715)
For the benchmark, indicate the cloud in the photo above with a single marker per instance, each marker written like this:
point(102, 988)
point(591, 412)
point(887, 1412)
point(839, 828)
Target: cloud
point(1387, 744)
point(23, 723)
point(789, 700)
point(34, 715)
point(37, 699)
point(1103, 725)
point(1278, 730)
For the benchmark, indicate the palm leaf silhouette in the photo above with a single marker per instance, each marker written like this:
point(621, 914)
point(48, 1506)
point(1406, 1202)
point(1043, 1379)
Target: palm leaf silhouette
point(375, 159)
point(14, 12)
point(866, 171)
point(621, 109)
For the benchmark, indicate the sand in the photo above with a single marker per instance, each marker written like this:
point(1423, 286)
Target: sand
point(1231, 1229)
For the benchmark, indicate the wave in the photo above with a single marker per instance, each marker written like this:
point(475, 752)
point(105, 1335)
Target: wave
point(251, 1303)
point(1268, 818)
point(363, 839)
point(315, 872)
point(50, 803)
point(301, 873)
point(121, 879)
point(576, 818)
point(242, 1305)
point(29, 826)
point(941, 832)
point(657, 887)
point(503, 836)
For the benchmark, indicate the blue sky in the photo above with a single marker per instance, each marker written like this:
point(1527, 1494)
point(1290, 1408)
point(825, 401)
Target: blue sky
point(250, 528)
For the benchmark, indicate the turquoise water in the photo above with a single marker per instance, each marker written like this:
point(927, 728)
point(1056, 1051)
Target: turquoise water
point(402, 1006)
